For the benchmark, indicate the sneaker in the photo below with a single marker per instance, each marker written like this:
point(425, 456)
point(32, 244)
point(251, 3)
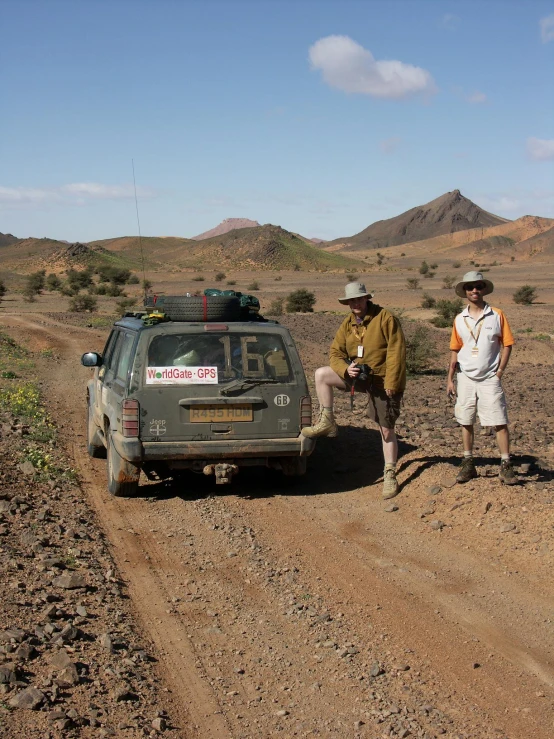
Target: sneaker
point(326, 426)
point(507, 474)
point(466, 470)
point(390, 484)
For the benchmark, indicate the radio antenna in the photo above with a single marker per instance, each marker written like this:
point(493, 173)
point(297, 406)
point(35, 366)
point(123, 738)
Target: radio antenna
point(140, 237)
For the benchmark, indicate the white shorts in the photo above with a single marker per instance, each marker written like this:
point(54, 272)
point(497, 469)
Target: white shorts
point(480, 397)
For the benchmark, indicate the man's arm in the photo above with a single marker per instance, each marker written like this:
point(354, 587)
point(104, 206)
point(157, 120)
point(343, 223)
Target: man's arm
point(450, 387)
point(395, 375)
point(506, 351)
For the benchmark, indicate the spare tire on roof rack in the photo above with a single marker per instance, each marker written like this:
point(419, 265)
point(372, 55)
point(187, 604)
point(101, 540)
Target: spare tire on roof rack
point(197, 307)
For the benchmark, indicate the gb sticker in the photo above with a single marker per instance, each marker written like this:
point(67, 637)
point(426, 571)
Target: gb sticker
point(281, 400)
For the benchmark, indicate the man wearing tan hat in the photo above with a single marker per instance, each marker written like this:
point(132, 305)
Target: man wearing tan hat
point(481, 344)
point(368, 354)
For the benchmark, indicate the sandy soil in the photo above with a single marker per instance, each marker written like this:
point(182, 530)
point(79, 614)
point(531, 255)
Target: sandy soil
point(312, 610)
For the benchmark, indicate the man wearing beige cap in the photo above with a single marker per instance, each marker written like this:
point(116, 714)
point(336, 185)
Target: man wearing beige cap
point(481, 344)
point(368, 354)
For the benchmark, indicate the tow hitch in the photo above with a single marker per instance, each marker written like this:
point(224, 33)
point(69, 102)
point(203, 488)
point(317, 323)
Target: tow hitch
point(223, 472)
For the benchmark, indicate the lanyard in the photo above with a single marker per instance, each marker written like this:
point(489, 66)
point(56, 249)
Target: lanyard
point(480, 321)
point(356, 332)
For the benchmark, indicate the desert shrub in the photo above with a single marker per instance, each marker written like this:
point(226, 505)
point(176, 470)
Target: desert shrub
point(525, 295)
point(53, 282)
point(418, 351)
point(101, 289)
point(424, 268)
point(253, 286)
point(297, 268)
point(456, 265)
point(448, 282)
point(35, 282)
point(117, 275)
point(29, 295)
point(82, 304)
point(125, 303)
point(512, 259)
point(276, 307)
point(300, 301)
point(2, 290)
point(351, 277)
point(220, 276)
point(113, 290)
point(429, 274)
point(231, 282)
point(543, 337)
point(146, 285)
point(68, 291)
point(428, 301)
point(79, 279)
point(278, 278)
point(403, 254)
point(412, 283)
point(198, 278)
point(434, 265)
point(380, 258)
point(133, 280)
point(447, 310)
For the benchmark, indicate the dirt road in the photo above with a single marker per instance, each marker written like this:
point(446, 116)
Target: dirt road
point(309, 609)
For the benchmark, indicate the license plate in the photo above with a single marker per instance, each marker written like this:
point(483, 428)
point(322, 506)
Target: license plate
point(221, 413)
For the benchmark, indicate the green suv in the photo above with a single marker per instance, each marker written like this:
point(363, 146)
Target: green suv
point(201, 395)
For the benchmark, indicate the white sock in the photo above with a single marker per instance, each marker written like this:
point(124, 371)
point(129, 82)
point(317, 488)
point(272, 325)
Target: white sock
point(468, 454)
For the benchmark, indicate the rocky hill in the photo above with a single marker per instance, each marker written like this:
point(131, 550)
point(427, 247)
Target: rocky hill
point(8, 239)
point(229, 224)
point(447, 214)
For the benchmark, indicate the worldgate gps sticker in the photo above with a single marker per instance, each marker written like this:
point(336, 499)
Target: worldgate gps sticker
point(281, 400)
point(181, 375)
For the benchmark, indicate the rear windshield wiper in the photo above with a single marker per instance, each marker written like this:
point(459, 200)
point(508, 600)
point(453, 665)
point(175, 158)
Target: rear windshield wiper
point(245, 382)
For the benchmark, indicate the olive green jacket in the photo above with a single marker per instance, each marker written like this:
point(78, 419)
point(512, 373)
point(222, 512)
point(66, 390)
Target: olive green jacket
point(384, 347)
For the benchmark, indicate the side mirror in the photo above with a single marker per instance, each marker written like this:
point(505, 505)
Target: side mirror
point(91, 359)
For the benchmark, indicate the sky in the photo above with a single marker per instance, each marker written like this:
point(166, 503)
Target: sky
point(321, 116)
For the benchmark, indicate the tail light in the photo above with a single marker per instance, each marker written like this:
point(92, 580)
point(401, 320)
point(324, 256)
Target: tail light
point(305, 411)
point(130, 418)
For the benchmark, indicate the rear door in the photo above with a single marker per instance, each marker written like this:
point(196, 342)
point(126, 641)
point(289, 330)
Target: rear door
point(242, 382)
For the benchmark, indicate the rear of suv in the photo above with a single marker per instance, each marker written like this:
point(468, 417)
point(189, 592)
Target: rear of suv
point(211, 397)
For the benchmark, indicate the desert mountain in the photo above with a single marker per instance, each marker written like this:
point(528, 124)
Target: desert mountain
point(450, 213)
point(229, 224)
point(8, 239)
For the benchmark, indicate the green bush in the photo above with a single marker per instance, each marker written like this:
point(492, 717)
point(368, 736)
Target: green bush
point(2, 290)
point(276, 307)
point(79, 279)
point(418, 351)
point(447, 310)
point(116, 275)
point(114, 291)
point(428, 301)
point(412, 283)
point(525, 295)
point(125, 303)
point(35, 282)
point(101, 289)
point(83, 304)
point(430, 275)
point(146, 285)
point(220, 276)
point(434, 265)
point(448, 282)
point(53, 282)
point(351, 277)
point(300, 301)
point(133, 280)
point(424, 268)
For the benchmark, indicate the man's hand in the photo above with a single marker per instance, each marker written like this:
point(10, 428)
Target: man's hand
point(451, 389)
point(390, 392)
point(353, 370)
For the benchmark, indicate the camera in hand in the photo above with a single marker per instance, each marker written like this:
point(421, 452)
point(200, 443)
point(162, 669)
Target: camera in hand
point(365, 372)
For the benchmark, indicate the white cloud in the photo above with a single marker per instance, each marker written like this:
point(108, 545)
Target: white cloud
point(450, 21)
point(540, 150)
point(547, 28)
point(388, 146)
point(476, 98)
point(347, 66)
point(72, 194)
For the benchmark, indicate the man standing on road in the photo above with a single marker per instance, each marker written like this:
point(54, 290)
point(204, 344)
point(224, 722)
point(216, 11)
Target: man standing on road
point(369, 341)
point(481, 344)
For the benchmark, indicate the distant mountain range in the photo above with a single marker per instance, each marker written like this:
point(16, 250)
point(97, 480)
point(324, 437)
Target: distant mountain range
point(445, 225)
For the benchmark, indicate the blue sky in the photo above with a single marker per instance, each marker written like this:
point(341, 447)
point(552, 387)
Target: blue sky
point(321, 116)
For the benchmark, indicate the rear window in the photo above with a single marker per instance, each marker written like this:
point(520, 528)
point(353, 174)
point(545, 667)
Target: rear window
point(236, 355)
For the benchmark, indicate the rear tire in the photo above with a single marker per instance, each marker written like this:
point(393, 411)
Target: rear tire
point(294, 466)
point(95, 446)
point(123, 476)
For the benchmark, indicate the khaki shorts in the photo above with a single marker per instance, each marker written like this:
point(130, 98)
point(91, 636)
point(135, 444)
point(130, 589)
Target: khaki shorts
point(483, 398)
point(380, 408)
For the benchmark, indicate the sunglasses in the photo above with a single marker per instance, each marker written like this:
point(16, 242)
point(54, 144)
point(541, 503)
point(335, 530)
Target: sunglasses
point(476, 286)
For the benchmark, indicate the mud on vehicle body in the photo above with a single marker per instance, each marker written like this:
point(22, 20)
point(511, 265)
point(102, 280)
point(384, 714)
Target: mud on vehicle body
point(210, 397)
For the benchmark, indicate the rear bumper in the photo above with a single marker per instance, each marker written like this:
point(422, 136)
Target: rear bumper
point(134, 450)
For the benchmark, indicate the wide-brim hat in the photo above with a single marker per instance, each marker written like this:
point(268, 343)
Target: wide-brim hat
point(354, 290)
point(473, 276)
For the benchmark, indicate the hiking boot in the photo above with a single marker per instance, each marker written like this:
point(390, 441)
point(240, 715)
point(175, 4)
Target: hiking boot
point(466, 470)
point(326, 426)
point(507, 474)
point(390, 484)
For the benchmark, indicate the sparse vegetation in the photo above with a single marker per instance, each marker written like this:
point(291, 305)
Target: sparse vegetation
point(525, 295)
point(418, 351)
point(412, 283)
point(253, 286)
point(133, 280)
point(424, 268)
point(198, 278)
point(53, 282)
point(429, 275)
point(428, 301)
point(278, 278)
point(434, 265)
point(146, 286)
point(300, 301)
point(83, 304)
point(276, 307)
point(2, 290)
point(351, 277)
point(447, 311)
point(231, 282)
point(126, 303)
point(380, 258)
point(448, 282)
point(220, 276)
point(456, 265)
